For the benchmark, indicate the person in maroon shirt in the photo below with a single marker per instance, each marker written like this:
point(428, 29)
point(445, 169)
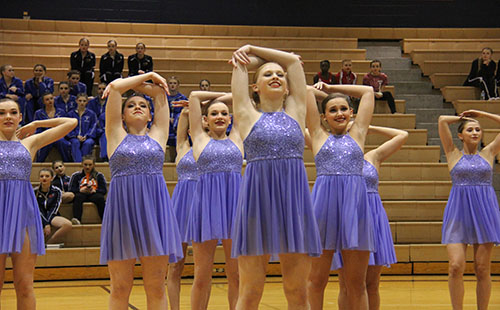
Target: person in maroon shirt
point(324, 75)
point(378, 80)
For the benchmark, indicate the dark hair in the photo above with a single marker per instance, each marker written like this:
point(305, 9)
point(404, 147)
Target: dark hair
point(487, 48)
point(46, 170)
point(63, 82)
point(73, 72)
point(8, 99)
point(140, 43)
point(206, 81)
point(331, 97)
point(112, 40)
point(325, 61)
point(93, 173)
point(82, 95)
point(45, 94)
point(136, 95)
point(205, 107)
point(464, 122)
point(84, 39)
point(374, 61)
point(40, 65)
point(57, 161)
point(3, 67)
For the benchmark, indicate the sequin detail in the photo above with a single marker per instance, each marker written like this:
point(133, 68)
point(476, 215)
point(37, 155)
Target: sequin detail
point(187, 169)
point(261, 142)
point(472, 170)
point(15, 161)
point(370, 174)
point(339, 155)
point(220, 156)
point(137, 155)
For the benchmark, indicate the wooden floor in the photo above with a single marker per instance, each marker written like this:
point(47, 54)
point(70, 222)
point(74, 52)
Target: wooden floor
point(397, 292)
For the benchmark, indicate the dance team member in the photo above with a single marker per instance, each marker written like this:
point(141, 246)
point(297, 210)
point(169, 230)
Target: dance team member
point(274, 216)
point(65, 101)
point(138, 222)
point(61, 181)
point(385, 254)
point(472, 215)
point(187, 172)
point(21, 233)
point(339, 195)
point(75, 86)
point(219, 158)
point(83, 61)
point(12, 87)
point(111, 64)
point(82, 138)
point(35, 88)
point(174, 95)
point(139, 63)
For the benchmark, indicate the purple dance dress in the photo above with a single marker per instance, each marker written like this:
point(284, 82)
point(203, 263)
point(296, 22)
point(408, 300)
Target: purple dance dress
point(182, 198)
point(138, 219)
point(274, 212)
point(340, 197)
point(472, 215)
point(18, 206)
point(214, 203)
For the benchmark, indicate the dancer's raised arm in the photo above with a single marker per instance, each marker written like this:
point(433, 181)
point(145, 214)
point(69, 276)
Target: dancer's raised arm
point(397, 137)
point(493, 148)
point(445, 135)
point(161, 121)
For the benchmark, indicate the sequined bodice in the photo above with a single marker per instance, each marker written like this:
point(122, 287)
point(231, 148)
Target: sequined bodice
point(370, 175)
point(339, 155)
point(275, 135)
point(220, 156)
point(472, 170)
point(187, 169)
point(137, 155)
point(15, 161)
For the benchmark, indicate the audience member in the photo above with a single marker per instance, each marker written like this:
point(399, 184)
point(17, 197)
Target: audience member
point(61, 181)
point(139, 62)
point(111, 64)
point(345, 75)
point(83, 61)
point(82, 138)
point(324, 75)
point(175, 95)
point(205, 85)
point(97, 104)
point(12, 87)
point(482, 74)
point(35, 88)
point(378, 80)
point(75, 86)
point(65, 101)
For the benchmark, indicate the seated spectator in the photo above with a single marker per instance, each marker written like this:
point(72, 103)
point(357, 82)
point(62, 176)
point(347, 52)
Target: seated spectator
point(12, 88)
point(345, 75)
point(97, 104)
point(75, 86)
point(482, 74)
point(378, 81)
point(205, 85)
point(88, 185)
point(61, 181)
point(55, 227)
point(46, 112)
point(83, 61)
point(173, 87)
point(324, 75)
point(139, 62)
point(101, 134)
point(82, 138)
point(65, 101)
point(35, 88)
point(111, 64)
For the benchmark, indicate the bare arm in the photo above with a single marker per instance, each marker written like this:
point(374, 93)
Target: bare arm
point(313, 120)
point(397, 137)
point(161, 122)
point(182, 130)
point(445, 133)
point(494, 147)
point(195, 100)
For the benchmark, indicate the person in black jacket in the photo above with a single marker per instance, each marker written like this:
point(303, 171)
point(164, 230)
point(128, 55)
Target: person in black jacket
point(49, 199)
point(111, 64)
point(84, 61)
point(87, 185)
point(61, 181)
point(139, 62)
point(482, 74)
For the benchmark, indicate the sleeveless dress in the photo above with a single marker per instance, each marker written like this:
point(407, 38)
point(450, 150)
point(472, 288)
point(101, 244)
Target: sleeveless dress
point(18, 206)
point(182, 198)
point(214, 203)
point(274, 212)
point(385, 254)
point(138, 219)
point(340, 197)
point(471, 215)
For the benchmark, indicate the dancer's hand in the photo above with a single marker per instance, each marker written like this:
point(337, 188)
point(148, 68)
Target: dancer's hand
point(320, 85)
point(181, 104)
point(241, 56)
point(26, 130)
point(470, 113)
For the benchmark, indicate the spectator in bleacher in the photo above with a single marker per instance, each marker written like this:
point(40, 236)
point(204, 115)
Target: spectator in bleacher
point(88, 185)
point(49, 199)
point(101, 134)
point(482, 74)
point(12, 88)
point(49, 111)
point(205, 85)
point(139, 62)
point(175, 95)
point(35, 88)
point(98, 104)
point(82, 138)
point(472, 215)
point(65, 101)
point(83, 61)
point(345, 75)
point(111, 64)
point(378, 80)
point(61, 181)
point(75, 86)
point(324, 75)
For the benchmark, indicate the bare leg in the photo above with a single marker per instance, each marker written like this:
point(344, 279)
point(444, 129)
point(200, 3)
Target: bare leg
point(3, 258)
point(203, 254)
point(372, 286)
point(355, 268)
point(318, 279)
point(63, 227)
point(122, 277)
point(342, 302)
point(24, 267)
point(252, 272)
point(231, 274)
point(154, 271)
point(482, 265)
point(174, 280)
point(456, 268)
point(68, 197)
point(294, 267)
